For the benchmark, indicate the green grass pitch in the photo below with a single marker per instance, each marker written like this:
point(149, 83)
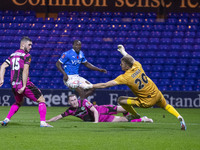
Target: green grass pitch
point(70, 133)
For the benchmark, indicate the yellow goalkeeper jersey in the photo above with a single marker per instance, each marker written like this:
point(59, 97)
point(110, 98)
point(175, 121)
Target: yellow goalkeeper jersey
point(136, 79)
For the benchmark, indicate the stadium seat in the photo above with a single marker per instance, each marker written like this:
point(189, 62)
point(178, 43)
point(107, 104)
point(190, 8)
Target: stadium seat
point(192, 28)
point(120, 40)
point(164, 47)
point(156, 34)
point(145, 34)
point(158, 61)
point(173, 54)
point(152, 47)
point(157, 68)
point(167, 34)
point(177, 82)
point(181, 27)
point(185, 54)
point(176, 40)
point(187, 88)
point(190, 34)
point(154, 40)
point(178, 34)
point(196, 54)
point(187, 47)
point(162, 54)
point(165, 40)
point(170, 61)
point(193, 21)
point(141, 47)
point(87, 39)
point(175, 47)
point(149, 54)
point(183, 21)
point(172, 21)
point(193, 68)
point(18, 19)
point(61, 20)
point(169, 27)
point(179, 75)
point(142, 40)
point(189, 82)
point(104, 54)
point(53, 39)
point(30, 13)
point(130, 47)
point(33, 33)
point(174, 88)
point(29, 19)
point(151, 15)
point(95, 46)
point(138, 21)
point(149, 21)
point(188, 40)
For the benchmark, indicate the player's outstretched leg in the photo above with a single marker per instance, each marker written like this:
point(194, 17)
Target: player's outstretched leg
point(14, 108)
point(173, 111)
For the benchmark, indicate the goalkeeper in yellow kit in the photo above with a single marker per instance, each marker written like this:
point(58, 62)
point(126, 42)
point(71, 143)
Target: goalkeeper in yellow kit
point(146, 92)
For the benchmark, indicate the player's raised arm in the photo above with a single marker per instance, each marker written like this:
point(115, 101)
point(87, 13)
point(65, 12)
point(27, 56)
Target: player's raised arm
point(122, 50)
point(2, 72)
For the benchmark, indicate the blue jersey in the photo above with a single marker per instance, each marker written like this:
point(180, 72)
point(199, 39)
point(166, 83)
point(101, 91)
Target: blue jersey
point(71, 61)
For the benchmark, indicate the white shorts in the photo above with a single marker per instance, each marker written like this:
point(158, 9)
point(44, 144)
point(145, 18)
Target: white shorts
point(75, 79)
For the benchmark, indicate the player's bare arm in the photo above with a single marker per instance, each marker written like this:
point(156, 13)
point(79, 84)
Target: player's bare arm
point(24, 78)
point(96, 114)
point(59, 66)
point(104, 85)
point(2, 72)
point(99, 85)
point(55, 118)
point(92, 67)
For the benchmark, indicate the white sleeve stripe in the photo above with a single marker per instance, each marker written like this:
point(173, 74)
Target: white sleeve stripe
point(60, 61)
point(84, 61)
point(7, 61)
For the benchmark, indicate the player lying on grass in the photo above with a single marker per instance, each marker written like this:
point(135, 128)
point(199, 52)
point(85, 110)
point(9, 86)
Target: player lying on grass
point(86, 111)
point(146, 92)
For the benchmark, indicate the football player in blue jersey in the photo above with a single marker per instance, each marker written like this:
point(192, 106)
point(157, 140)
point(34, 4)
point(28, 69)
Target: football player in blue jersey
point(69, 63)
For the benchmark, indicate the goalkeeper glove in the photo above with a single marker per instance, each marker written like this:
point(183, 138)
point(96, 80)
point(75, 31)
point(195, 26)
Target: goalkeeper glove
point(121, 49)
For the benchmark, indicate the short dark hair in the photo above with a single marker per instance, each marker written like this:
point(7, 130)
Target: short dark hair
point(25, 38)
point(128, 60)
point(76, 41)
point(71, 96)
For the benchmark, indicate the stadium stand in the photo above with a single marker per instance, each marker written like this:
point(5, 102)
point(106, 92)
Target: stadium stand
point(169, 51)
